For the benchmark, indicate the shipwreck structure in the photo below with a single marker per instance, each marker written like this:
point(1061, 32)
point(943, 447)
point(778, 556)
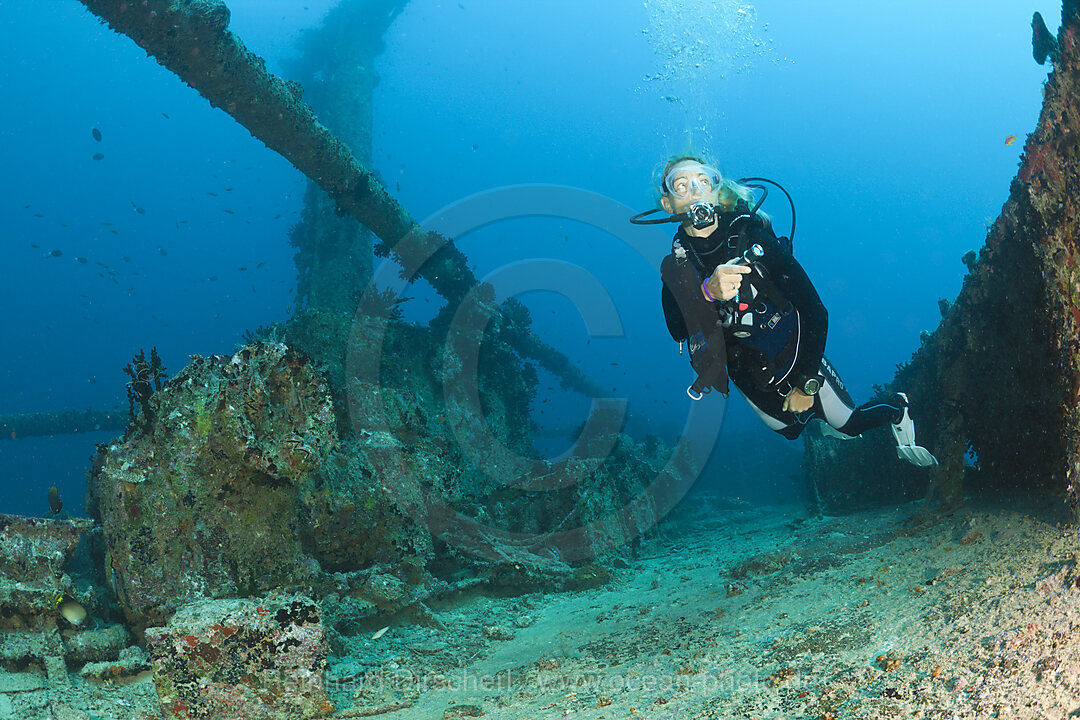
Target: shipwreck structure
point(298, 487)
point(997, 385)
point(285, 494)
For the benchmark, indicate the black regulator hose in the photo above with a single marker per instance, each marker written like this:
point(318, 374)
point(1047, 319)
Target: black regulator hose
point(644, 219)
point(791, 235)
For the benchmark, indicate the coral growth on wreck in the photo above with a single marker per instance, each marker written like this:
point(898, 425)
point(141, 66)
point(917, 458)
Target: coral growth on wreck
point(200, 501)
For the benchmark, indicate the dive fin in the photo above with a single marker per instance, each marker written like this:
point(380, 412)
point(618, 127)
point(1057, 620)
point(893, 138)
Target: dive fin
point(906, 449)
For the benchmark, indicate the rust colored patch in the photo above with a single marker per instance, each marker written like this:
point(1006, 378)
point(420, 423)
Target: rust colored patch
point(208, 653)
point(191, 640)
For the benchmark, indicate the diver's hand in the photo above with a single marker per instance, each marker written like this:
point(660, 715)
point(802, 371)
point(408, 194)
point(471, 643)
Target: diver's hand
point(726, 280)
point(797, 401)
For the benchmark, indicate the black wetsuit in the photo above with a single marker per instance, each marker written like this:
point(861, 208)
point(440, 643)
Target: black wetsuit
point(773, 334)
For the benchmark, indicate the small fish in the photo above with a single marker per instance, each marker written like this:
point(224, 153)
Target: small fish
point(141, 211)
point(241, 269)
point(106, 224)
point(277, 217)
point(55, 503)
point(35, 245)
point(114, 232)
point(1010, 139)
point(99, 156)
point(55, 253)
point(81, 260)
point(125, 258)
point(38, 215)
point(162, 251)
point(260, 265)
point(96, 133)
point(379, 633)
point(475, 147)
point(211, 193)
point(165, 115)
point(70, 610)
point(230, 212)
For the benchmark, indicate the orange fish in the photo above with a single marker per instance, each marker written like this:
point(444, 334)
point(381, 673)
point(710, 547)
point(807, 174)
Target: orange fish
point(1010, 140)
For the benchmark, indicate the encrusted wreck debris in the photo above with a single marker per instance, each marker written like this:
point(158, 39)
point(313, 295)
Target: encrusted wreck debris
point(996, 388)
point(260, 658)
point(43, 616)
point(199, 499)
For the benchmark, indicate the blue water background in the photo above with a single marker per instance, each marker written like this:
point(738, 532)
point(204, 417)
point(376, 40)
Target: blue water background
point(886, 122)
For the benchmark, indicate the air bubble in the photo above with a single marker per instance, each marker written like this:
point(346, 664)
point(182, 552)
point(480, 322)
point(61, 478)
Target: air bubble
point(693, 38)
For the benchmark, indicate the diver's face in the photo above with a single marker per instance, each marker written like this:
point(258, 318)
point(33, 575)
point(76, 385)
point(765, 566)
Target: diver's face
point(689, 182)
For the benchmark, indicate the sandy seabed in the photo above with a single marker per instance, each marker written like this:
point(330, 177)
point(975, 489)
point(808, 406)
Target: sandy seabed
point(733, 611)
point(742, 612)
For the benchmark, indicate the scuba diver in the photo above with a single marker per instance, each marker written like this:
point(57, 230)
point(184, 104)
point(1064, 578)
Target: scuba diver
point(733, 291)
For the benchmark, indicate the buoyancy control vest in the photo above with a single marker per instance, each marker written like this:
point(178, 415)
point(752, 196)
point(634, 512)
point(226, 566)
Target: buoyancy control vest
point(762, 322)
point(702, 326)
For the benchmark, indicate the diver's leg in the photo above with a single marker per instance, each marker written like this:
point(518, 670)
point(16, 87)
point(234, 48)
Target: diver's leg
point(835, 405)
point(791, 428)
point(838, 409)
point(873, 414)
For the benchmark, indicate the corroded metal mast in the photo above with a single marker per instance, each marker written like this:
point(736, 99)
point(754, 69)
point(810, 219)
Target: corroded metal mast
point(192, 40)
point(336, 67)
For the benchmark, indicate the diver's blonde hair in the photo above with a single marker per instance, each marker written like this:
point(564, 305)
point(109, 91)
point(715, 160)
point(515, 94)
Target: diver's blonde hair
point(729, 194)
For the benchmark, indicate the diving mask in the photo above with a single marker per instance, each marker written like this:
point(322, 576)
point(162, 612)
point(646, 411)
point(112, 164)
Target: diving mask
point(687, 179)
